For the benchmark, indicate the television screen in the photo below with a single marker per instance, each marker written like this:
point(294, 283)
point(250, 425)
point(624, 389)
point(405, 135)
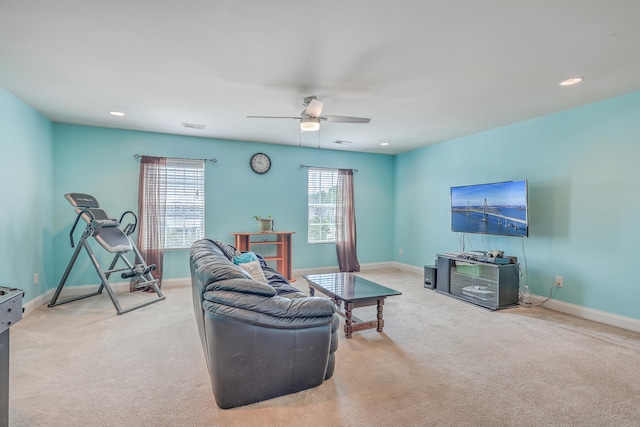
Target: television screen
point(496, 208)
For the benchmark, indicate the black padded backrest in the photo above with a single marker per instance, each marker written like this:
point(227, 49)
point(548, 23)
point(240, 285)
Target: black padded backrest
point(110, 236)
point(80, 200)
point(86, 202)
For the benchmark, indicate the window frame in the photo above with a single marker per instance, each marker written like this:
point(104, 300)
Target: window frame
point(321, 208)
point(184, 215)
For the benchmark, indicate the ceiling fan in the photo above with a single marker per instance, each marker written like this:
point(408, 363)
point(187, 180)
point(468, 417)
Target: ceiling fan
point(311, 116)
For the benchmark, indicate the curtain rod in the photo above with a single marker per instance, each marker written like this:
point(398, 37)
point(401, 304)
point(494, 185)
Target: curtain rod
point(213, 160)
point(321, 167)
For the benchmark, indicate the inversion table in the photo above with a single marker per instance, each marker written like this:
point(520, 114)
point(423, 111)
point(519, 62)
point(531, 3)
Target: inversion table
point(113, 239)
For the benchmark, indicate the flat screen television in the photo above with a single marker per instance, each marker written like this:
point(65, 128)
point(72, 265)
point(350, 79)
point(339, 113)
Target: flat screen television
point(496, 208)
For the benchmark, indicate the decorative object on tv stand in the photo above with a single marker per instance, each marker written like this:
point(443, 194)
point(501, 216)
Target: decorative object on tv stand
point(264, 224)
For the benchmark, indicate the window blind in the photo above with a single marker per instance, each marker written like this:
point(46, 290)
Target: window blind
point(321, 193)
point(184, 219)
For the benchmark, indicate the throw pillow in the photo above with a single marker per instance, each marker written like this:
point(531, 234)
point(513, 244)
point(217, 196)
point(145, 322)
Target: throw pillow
point(254, 269)
point(244, 257)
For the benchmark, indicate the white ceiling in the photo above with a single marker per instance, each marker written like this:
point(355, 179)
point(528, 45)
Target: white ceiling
point(424, 71)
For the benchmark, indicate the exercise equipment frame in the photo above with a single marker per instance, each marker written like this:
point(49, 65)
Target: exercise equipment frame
point(97, 221)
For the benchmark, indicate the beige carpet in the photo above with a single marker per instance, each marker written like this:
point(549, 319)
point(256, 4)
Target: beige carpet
point(439, 362)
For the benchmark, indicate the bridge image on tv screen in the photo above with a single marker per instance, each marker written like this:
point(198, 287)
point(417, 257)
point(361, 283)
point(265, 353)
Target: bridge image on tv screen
point(496, 208)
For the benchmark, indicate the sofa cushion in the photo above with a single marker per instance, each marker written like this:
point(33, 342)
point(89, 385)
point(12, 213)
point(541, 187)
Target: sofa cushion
point(228, 250)
point(275, 312)
point(241, 285)
point(209, 270)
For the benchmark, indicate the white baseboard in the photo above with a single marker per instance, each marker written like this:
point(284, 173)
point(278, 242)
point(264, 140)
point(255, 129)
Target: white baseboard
point(37, 302)
point(568, 308)
point(363, 267)
point(561, 306)
point(590, 314)
point(408, 267)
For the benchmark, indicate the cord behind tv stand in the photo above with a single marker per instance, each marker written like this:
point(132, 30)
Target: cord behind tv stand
point(489, 285)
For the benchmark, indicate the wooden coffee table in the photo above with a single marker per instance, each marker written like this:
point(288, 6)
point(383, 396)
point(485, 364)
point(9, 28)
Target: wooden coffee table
point(354, 292)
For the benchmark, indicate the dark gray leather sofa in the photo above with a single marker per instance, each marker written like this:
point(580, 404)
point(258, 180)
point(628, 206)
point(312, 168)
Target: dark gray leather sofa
point(260, 340)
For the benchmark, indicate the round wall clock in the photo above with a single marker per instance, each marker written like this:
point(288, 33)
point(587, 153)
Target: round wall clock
point(260, 163)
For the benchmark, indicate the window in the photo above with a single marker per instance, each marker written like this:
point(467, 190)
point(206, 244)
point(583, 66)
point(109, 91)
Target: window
point(321, 201)
point(184, 218)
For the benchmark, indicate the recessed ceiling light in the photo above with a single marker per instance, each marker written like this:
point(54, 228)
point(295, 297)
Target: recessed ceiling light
point(116, 113)
point(384, 143)
point(193, 126)
point(571, 81)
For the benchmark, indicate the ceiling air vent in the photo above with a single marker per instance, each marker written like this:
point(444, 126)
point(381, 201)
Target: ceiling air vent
point(192, 126)
point(341, 142)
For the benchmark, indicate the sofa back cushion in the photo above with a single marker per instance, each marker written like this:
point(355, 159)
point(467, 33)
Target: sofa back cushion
point(213, 270)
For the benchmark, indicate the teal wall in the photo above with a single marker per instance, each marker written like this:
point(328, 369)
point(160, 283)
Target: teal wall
point(581, 166)
point(100, 162)
point(26, 184)
point(583, 176)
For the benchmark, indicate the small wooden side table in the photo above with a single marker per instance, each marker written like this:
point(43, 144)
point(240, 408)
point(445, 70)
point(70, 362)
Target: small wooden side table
point(280, 239)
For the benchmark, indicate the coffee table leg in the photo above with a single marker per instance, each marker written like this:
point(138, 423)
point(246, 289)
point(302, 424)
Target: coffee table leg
point(348, 322)
point(380, 319)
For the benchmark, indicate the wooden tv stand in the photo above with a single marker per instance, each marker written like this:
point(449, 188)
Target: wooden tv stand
point(280, 239)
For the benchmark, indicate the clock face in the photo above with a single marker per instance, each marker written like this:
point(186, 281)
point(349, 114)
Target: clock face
point(260, 163)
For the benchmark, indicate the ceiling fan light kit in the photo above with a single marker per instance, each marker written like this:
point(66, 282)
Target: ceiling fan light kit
point(309, 124)
point(310, 117)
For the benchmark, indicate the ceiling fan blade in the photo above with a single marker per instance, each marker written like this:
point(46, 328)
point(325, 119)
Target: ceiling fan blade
point(314, 109)
point(273, 117)
point(345, 119)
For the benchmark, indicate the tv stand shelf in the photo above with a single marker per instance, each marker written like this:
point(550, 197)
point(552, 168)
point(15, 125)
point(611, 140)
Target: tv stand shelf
point(493, 286)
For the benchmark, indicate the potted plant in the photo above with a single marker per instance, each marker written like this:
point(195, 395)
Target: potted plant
point(264, 224)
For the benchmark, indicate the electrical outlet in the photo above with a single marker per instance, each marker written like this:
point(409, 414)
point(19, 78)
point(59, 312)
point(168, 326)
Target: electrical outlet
point(559, 281)
point(36, 279)
point(400, 251)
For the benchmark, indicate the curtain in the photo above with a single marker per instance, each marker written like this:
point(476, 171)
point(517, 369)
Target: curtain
point(152, 196)
point(346, 223)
